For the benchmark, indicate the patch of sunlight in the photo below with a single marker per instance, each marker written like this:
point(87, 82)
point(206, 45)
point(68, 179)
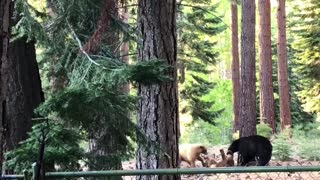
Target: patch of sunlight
point(185, 119)
point(39, 5)
point(318, 119)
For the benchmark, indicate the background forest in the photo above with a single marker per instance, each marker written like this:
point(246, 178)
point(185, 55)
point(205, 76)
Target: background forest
point(73, 81)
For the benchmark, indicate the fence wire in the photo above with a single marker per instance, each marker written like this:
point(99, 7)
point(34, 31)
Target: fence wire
point(295, 170)
point(229, 173)
point(248, 176)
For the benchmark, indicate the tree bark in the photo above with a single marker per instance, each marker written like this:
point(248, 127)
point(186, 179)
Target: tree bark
point(124, 49)
point(235, 65)
point(20, 84)
point(104, 147)
point(104, 32)
point(5, 14)
point(24, 91)
point(58, 79)
point(285, 116)
point(158, 103)
point(266, 84)
point(248, 77)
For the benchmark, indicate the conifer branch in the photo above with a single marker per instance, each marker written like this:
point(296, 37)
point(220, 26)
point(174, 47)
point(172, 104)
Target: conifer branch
point(205, 10)
point(80, 45)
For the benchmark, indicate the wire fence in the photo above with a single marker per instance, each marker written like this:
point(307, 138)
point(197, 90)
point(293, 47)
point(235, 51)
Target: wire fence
point(232, 173)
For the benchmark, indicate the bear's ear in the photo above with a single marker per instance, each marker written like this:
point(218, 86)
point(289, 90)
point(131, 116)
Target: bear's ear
point(229, 152)
point(203, 149)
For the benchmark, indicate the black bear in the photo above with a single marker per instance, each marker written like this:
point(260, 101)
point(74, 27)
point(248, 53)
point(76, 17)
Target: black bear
point(252, 148)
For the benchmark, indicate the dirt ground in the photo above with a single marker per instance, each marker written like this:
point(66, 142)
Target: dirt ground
point(130, 165)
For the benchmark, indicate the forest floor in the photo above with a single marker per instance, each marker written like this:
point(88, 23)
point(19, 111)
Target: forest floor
point(130, 165)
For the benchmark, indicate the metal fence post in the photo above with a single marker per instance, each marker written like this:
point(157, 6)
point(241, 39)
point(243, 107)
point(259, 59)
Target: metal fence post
point(34, 170)
point(25, 175)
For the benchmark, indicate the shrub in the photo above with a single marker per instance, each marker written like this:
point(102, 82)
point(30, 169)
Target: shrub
point(309, 150)
point(306, 139)
point(264, 130)
point(61, 148)
point(281, 147)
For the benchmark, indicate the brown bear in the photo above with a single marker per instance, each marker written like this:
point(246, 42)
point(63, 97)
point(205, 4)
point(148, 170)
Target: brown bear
point(191, 152)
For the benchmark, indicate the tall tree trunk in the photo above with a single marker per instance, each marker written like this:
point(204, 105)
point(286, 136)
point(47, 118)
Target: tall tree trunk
point(5, 15)
point(124, 49)
point(266, 84)
point(285, 116)
point(21, 86)
point(103, 144)
point(158, 104)
point(24, 91)
point(248, 69)
point(235, 65)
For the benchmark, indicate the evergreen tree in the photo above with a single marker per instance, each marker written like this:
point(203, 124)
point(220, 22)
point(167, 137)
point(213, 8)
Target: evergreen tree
point(235, 65)
point(248, 70)
point(85, 95)
point(285, 115)
point(305, 25)
point(62, 148)
point(21, 84)
point(298, 115)
point(158, 114)
point(197, 24)
point(265, 62)
point(5, 16)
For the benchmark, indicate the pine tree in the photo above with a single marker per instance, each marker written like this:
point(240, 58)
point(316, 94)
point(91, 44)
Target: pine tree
point(92, 79)
point(5, 15)
point(195, 56)
point(235, 65)
point(306, 44)
point(285, 115)
point(266, 84)
point(158, 103)
point(248, 77)
point(103, 142)
point(22, 87)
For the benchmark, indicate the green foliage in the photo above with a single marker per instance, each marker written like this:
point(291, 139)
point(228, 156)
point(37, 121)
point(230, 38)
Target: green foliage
point(144, 72)
point(91, 98)
point(306, 139)
point(281, 147)
point(301, 141)
point(26, 23)
point(93, 107)
point(222, 96)
point(204, 132)
point(196, 26)
point(61, 148)
point(308, 150)
point(264, 130)
point(304, 25)
point(89, 102)
point(298, 113)
point(114, 73)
